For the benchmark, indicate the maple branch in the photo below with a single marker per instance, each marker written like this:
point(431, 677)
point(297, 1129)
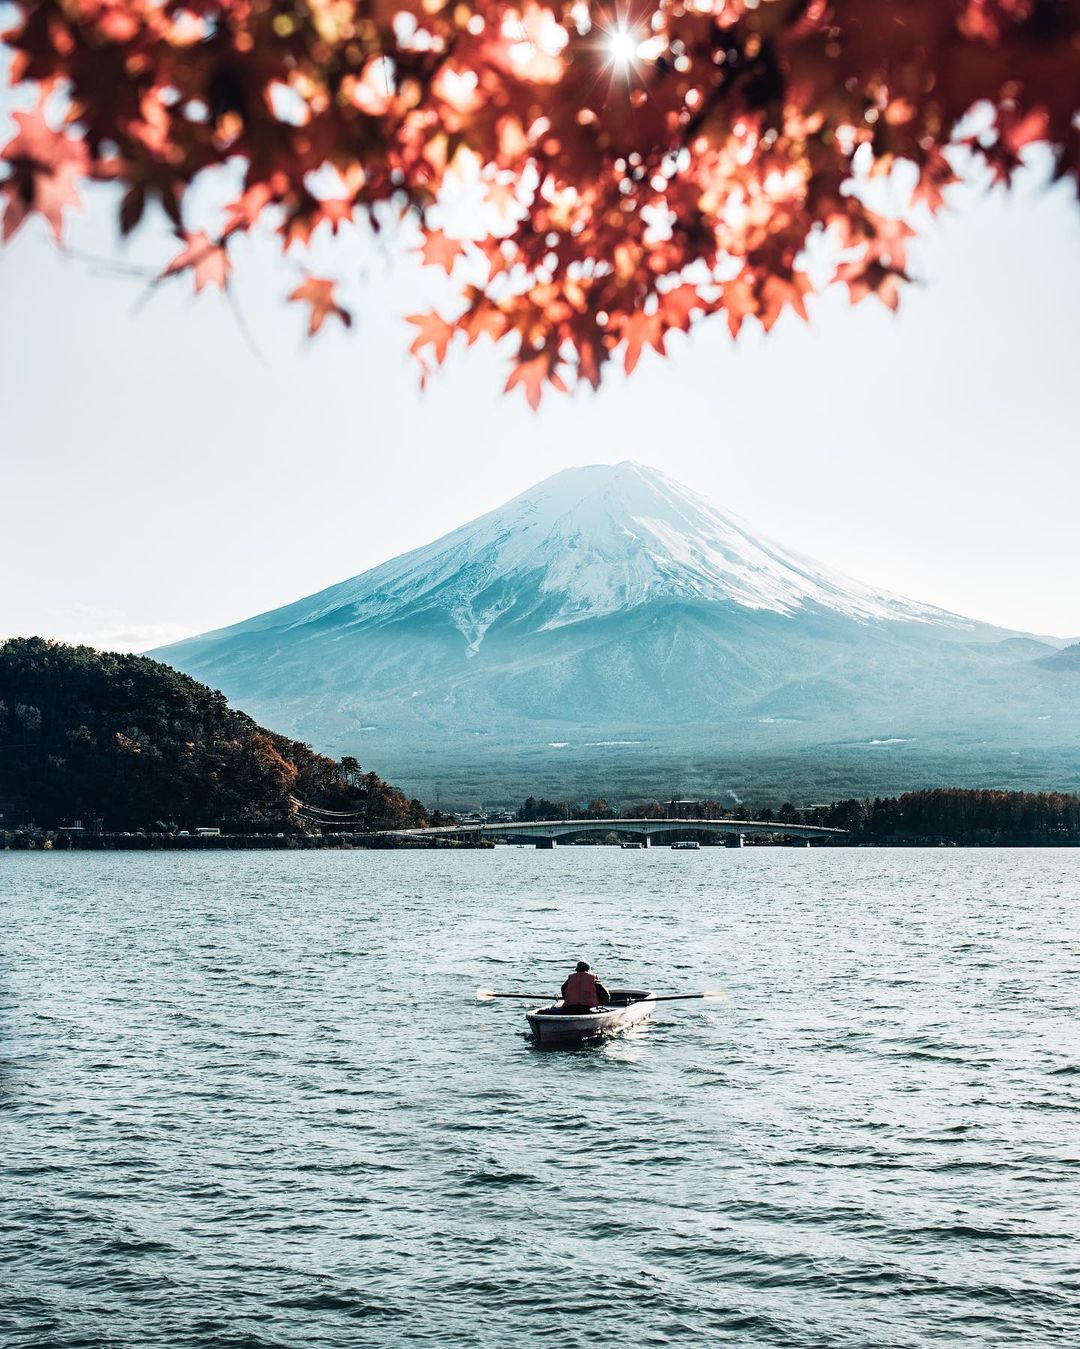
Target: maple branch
point(641, 185)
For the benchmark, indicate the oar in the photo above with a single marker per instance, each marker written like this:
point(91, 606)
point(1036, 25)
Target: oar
point(486, 995)
point(716, 995)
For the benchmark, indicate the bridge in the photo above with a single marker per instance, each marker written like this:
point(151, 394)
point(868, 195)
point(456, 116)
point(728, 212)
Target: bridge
point(549, 833)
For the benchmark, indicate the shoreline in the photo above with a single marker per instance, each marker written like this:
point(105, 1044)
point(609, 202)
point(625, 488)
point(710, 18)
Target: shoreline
point(58, 840)
point(62, 841)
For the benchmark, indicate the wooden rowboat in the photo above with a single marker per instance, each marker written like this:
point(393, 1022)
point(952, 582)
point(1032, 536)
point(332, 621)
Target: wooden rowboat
point(628, 1007)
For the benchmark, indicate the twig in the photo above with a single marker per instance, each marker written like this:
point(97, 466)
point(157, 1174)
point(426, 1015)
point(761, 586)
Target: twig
point(110, 265)
point(242, 324)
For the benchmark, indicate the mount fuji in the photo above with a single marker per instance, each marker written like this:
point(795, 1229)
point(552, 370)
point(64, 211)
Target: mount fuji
point(610, 631)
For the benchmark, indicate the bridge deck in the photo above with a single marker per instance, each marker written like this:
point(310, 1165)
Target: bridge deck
point(632, 828)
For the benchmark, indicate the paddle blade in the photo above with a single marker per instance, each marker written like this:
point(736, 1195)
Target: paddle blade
point(485, 995)
point(717, 995)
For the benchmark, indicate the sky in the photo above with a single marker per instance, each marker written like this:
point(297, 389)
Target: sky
point(169, 467)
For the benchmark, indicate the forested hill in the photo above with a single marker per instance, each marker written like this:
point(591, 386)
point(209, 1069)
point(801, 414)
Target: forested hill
point(129, 741)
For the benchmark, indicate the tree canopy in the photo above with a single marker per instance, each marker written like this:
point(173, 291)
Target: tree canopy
point(126, 739)
point(634, 167)
point(957, 815)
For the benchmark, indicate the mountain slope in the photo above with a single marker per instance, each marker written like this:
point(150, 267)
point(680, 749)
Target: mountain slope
point(609, 616)
point(584, 543)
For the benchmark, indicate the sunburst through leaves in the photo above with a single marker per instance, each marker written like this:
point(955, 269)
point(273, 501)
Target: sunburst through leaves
point(640, 166)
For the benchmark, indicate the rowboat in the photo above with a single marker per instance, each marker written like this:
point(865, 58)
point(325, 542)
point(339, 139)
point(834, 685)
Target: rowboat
point(628, 1007)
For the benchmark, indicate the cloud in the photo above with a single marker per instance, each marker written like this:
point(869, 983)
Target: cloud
point(108, 630)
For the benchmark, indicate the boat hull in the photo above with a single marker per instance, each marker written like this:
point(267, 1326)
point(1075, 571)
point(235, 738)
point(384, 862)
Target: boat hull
point(628, 1007)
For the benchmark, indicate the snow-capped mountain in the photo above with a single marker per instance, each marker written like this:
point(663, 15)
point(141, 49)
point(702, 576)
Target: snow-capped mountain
point(589, 542)
point(606, 609)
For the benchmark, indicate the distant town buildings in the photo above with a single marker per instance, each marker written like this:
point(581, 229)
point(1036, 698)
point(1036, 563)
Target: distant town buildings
point(486, 817)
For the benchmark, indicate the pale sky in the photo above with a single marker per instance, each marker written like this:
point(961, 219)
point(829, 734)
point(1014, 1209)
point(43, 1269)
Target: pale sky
point(159, 479)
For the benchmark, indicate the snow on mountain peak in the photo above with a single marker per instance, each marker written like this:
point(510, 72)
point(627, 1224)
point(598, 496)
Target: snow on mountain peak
point(598, 540)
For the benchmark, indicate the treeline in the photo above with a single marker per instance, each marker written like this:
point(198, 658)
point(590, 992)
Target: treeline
point(957, 815)
point(131, 743)
point(941, 815)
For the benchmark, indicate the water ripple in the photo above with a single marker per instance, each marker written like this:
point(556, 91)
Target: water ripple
point(247, 1102)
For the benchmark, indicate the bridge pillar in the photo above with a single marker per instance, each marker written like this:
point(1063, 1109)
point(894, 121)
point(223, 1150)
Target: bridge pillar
point(734, 840)
point(647, 841)
point(547, 843)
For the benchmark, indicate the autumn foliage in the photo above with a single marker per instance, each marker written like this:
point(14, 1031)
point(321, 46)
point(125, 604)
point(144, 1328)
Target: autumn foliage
point(632, 168)
point(95, 734)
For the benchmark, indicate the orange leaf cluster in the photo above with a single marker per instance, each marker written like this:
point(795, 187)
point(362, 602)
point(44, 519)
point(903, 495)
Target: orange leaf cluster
point(642, 166)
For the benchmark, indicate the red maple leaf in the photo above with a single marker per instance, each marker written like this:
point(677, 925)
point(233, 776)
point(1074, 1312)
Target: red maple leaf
point(531, 375)
point(243, 213)
point(782, 292)
point(441, 251)
point(319, 293)
point(867, 276)
point(677, 305)
point(46, 194)
point(739, 301)
point(45, 165)
point(434, 332)
point(937, 174)
point(1018, 131)
point(590, 358)
point(297, 229)
point(638, 330)
point(207, 259)
point(39, 146)
point(484, 320)
point(492, 250)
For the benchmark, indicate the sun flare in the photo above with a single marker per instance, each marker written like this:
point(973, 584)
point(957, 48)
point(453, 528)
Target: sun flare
point(622, 47)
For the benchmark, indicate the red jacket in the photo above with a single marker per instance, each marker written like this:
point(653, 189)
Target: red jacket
point(583, 989)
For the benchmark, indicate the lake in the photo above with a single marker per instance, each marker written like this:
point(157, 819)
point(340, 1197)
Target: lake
point(249, 1100)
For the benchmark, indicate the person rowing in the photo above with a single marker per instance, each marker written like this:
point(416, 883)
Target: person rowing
point(583, 991)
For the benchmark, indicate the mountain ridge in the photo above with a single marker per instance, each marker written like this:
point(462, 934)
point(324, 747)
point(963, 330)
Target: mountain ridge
point(610, 606)
point(640, 536)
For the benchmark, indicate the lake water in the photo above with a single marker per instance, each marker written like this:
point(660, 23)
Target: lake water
point(248, 1100)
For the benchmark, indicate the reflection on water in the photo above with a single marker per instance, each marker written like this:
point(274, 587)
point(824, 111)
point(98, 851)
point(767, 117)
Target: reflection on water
point(250, 1100)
